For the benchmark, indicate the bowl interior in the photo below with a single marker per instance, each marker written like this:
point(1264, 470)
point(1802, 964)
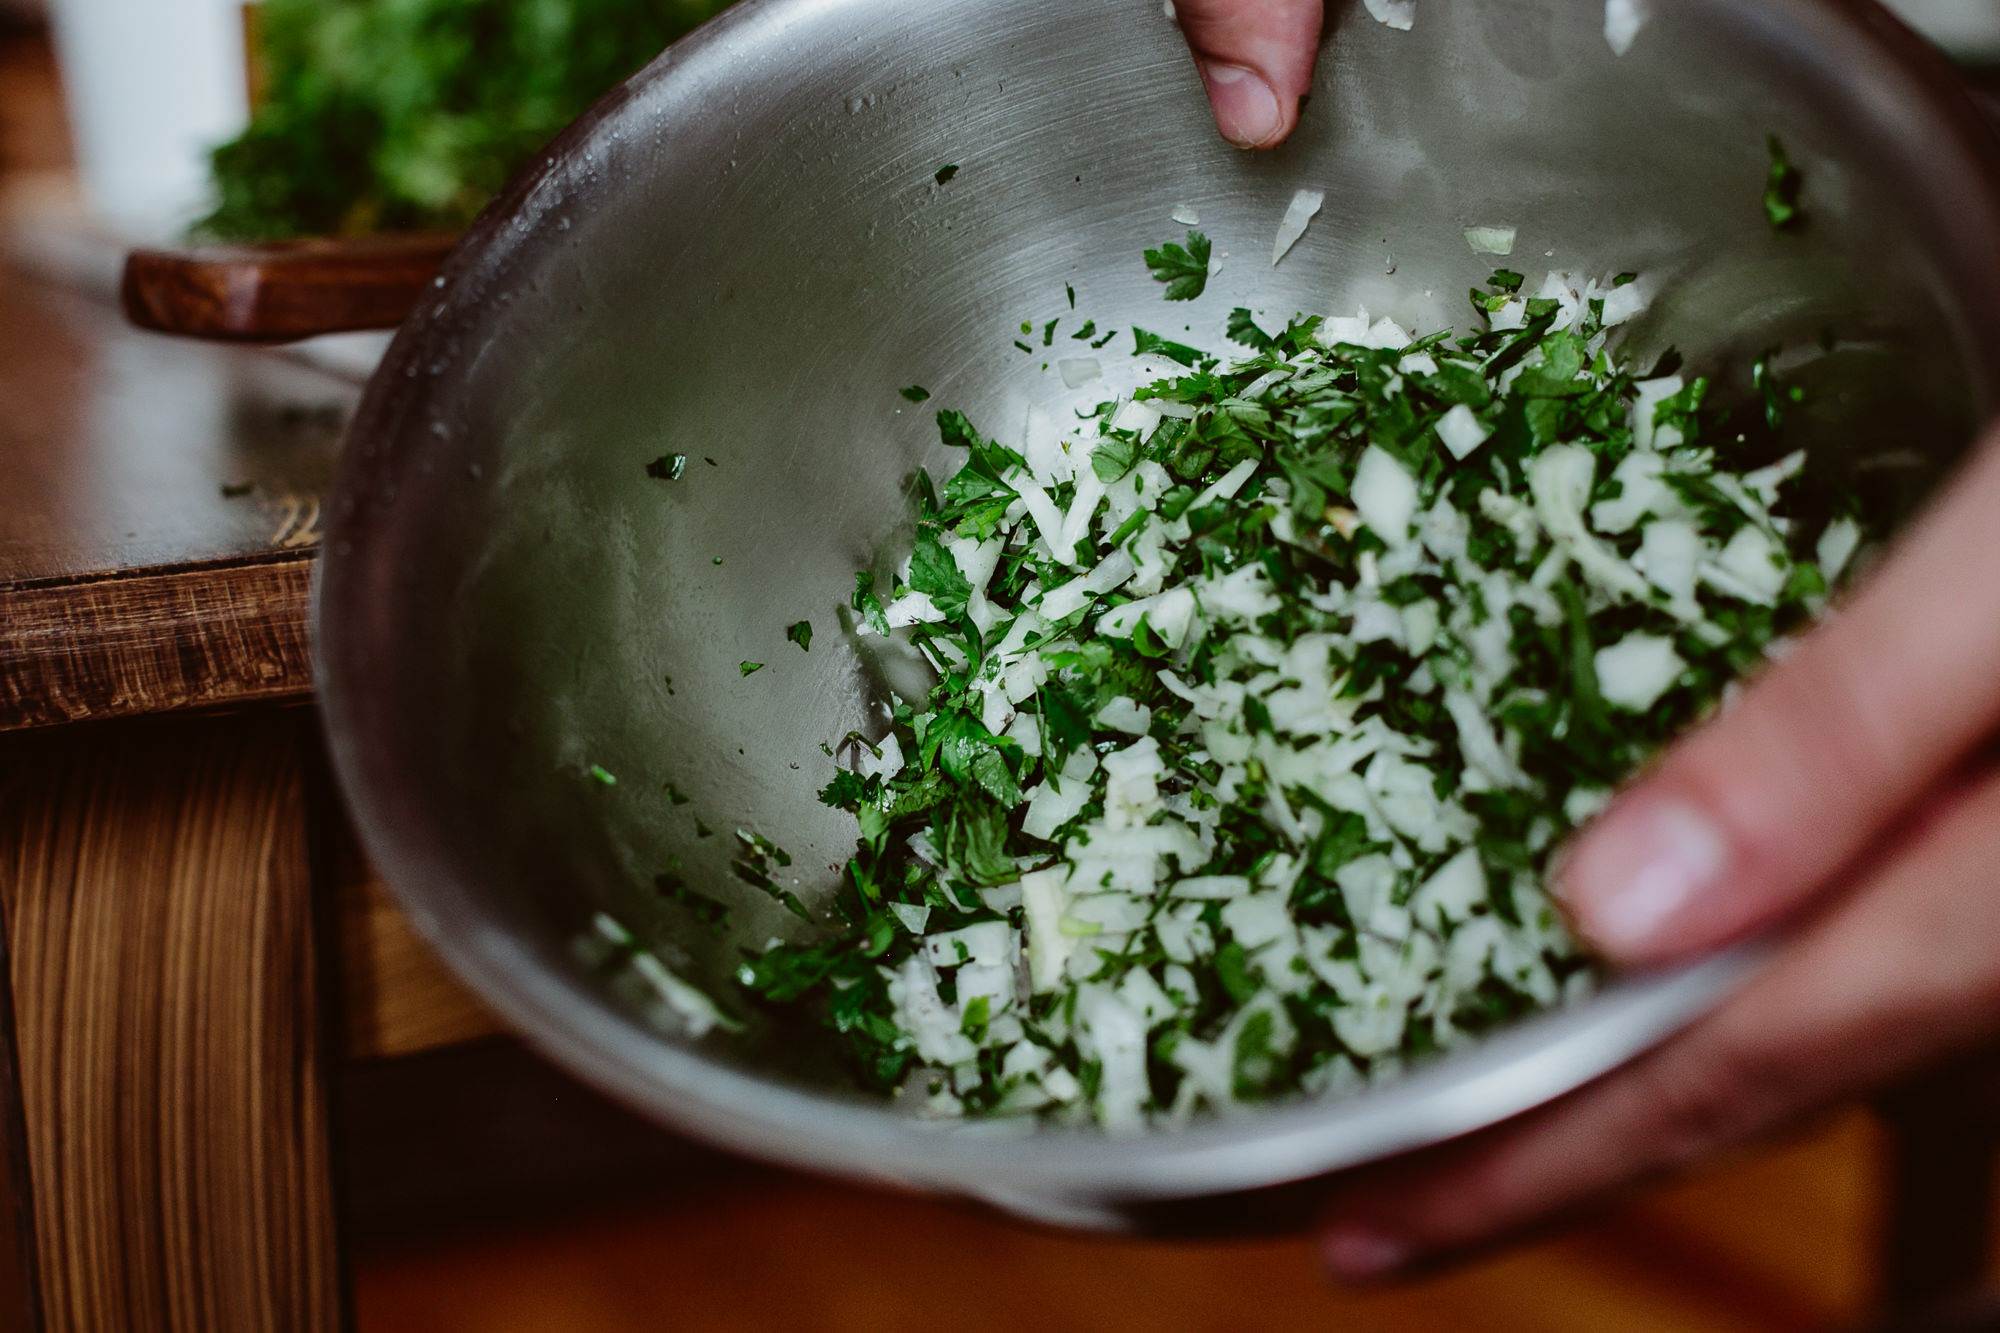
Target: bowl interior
point(744, 254)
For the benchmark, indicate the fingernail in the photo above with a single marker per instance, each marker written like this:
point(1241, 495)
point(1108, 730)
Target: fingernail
point(1640, 869)
point(1246, 109)
point(1361, 1253)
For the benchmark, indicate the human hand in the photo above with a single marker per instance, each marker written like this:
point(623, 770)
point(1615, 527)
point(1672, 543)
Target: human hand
point(1256, 60)
point(1846, 788)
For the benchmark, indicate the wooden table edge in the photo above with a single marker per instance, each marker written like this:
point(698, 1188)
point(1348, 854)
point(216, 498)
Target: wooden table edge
point(154, 641)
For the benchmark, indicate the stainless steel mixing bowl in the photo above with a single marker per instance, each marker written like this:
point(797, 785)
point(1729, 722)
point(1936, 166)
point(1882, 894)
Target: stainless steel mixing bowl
point(743, 253)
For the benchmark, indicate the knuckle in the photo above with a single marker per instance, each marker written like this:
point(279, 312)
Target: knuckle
point(1691, 1102)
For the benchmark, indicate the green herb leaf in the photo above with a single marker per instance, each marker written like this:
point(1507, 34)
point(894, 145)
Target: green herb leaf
point(1114, 457)
point(935, 573)
point(1183, 269)
point(1243, 329)
point(1781, 190)
point(711, 912)
point(801, 633)
point(974, 1023)
point(1144, 343)
point(1232, 969)
point(990, 771)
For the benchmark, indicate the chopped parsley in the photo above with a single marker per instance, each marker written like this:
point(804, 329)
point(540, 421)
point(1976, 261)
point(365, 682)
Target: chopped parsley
point(1144, 343)
point(711, 912)
point(667, 467)
point(1262, 697)
point(749, 668)
point(801, 633)
point(945, 172)
point(1243, 330)
point(1781, 190)
point(1183, 268)
point(757, 860)
point(916, 393)
point(602, 776)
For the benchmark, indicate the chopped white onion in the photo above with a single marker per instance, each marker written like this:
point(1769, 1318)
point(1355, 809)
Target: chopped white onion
point(1077, 371)
point(1622, 21)
point(1385, 495)
point(1635, 671)
point(1397, 14)
point(1836, 547)
point(1452, 891)
point(1651, 393)
point(1305, 203)
point(1461, 431)
point(1335, 330)
point(1122, 714)
point(1751, 566)
point(1623, 302)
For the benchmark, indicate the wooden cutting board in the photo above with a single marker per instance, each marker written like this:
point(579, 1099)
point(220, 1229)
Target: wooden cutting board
point(280, 291)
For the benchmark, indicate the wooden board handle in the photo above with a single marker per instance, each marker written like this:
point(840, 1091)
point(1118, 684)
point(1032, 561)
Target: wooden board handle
point(279, 291)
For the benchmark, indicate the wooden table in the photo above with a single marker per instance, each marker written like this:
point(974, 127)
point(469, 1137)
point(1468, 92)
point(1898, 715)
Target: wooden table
point(193, 944)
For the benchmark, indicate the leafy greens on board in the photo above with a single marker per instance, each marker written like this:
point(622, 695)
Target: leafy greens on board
point(382, 115)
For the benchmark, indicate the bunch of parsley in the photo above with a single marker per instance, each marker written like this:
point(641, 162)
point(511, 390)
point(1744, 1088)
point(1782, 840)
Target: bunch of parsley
point(387, 115)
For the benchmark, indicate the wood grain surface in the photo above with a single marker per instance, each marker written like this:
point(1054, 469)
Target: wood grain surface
point(156, 885)
point(127, 451)
point(1772, 1241)
point(277, 291)
point(155, 643)
point(396, 997)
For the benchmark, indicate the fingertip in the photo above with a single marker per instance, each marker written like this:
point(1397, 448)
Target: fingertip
point(1634, 880)
point(1359, 1253)
point(1248, 110)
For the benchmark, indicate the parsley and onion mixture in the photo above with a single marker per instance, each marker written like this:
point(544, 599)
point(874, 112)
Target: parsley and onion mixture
point(1262, 697)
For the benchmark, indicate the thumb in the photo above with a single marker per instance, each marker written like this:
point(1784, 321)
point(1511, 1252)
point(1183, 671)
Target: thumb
point(1256, 60)
point(1771, 799)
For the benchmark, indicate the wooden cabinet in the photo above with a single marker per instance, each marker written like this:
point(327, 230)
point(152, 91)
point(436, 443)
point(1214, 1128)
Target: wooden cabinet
point(193, 942)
